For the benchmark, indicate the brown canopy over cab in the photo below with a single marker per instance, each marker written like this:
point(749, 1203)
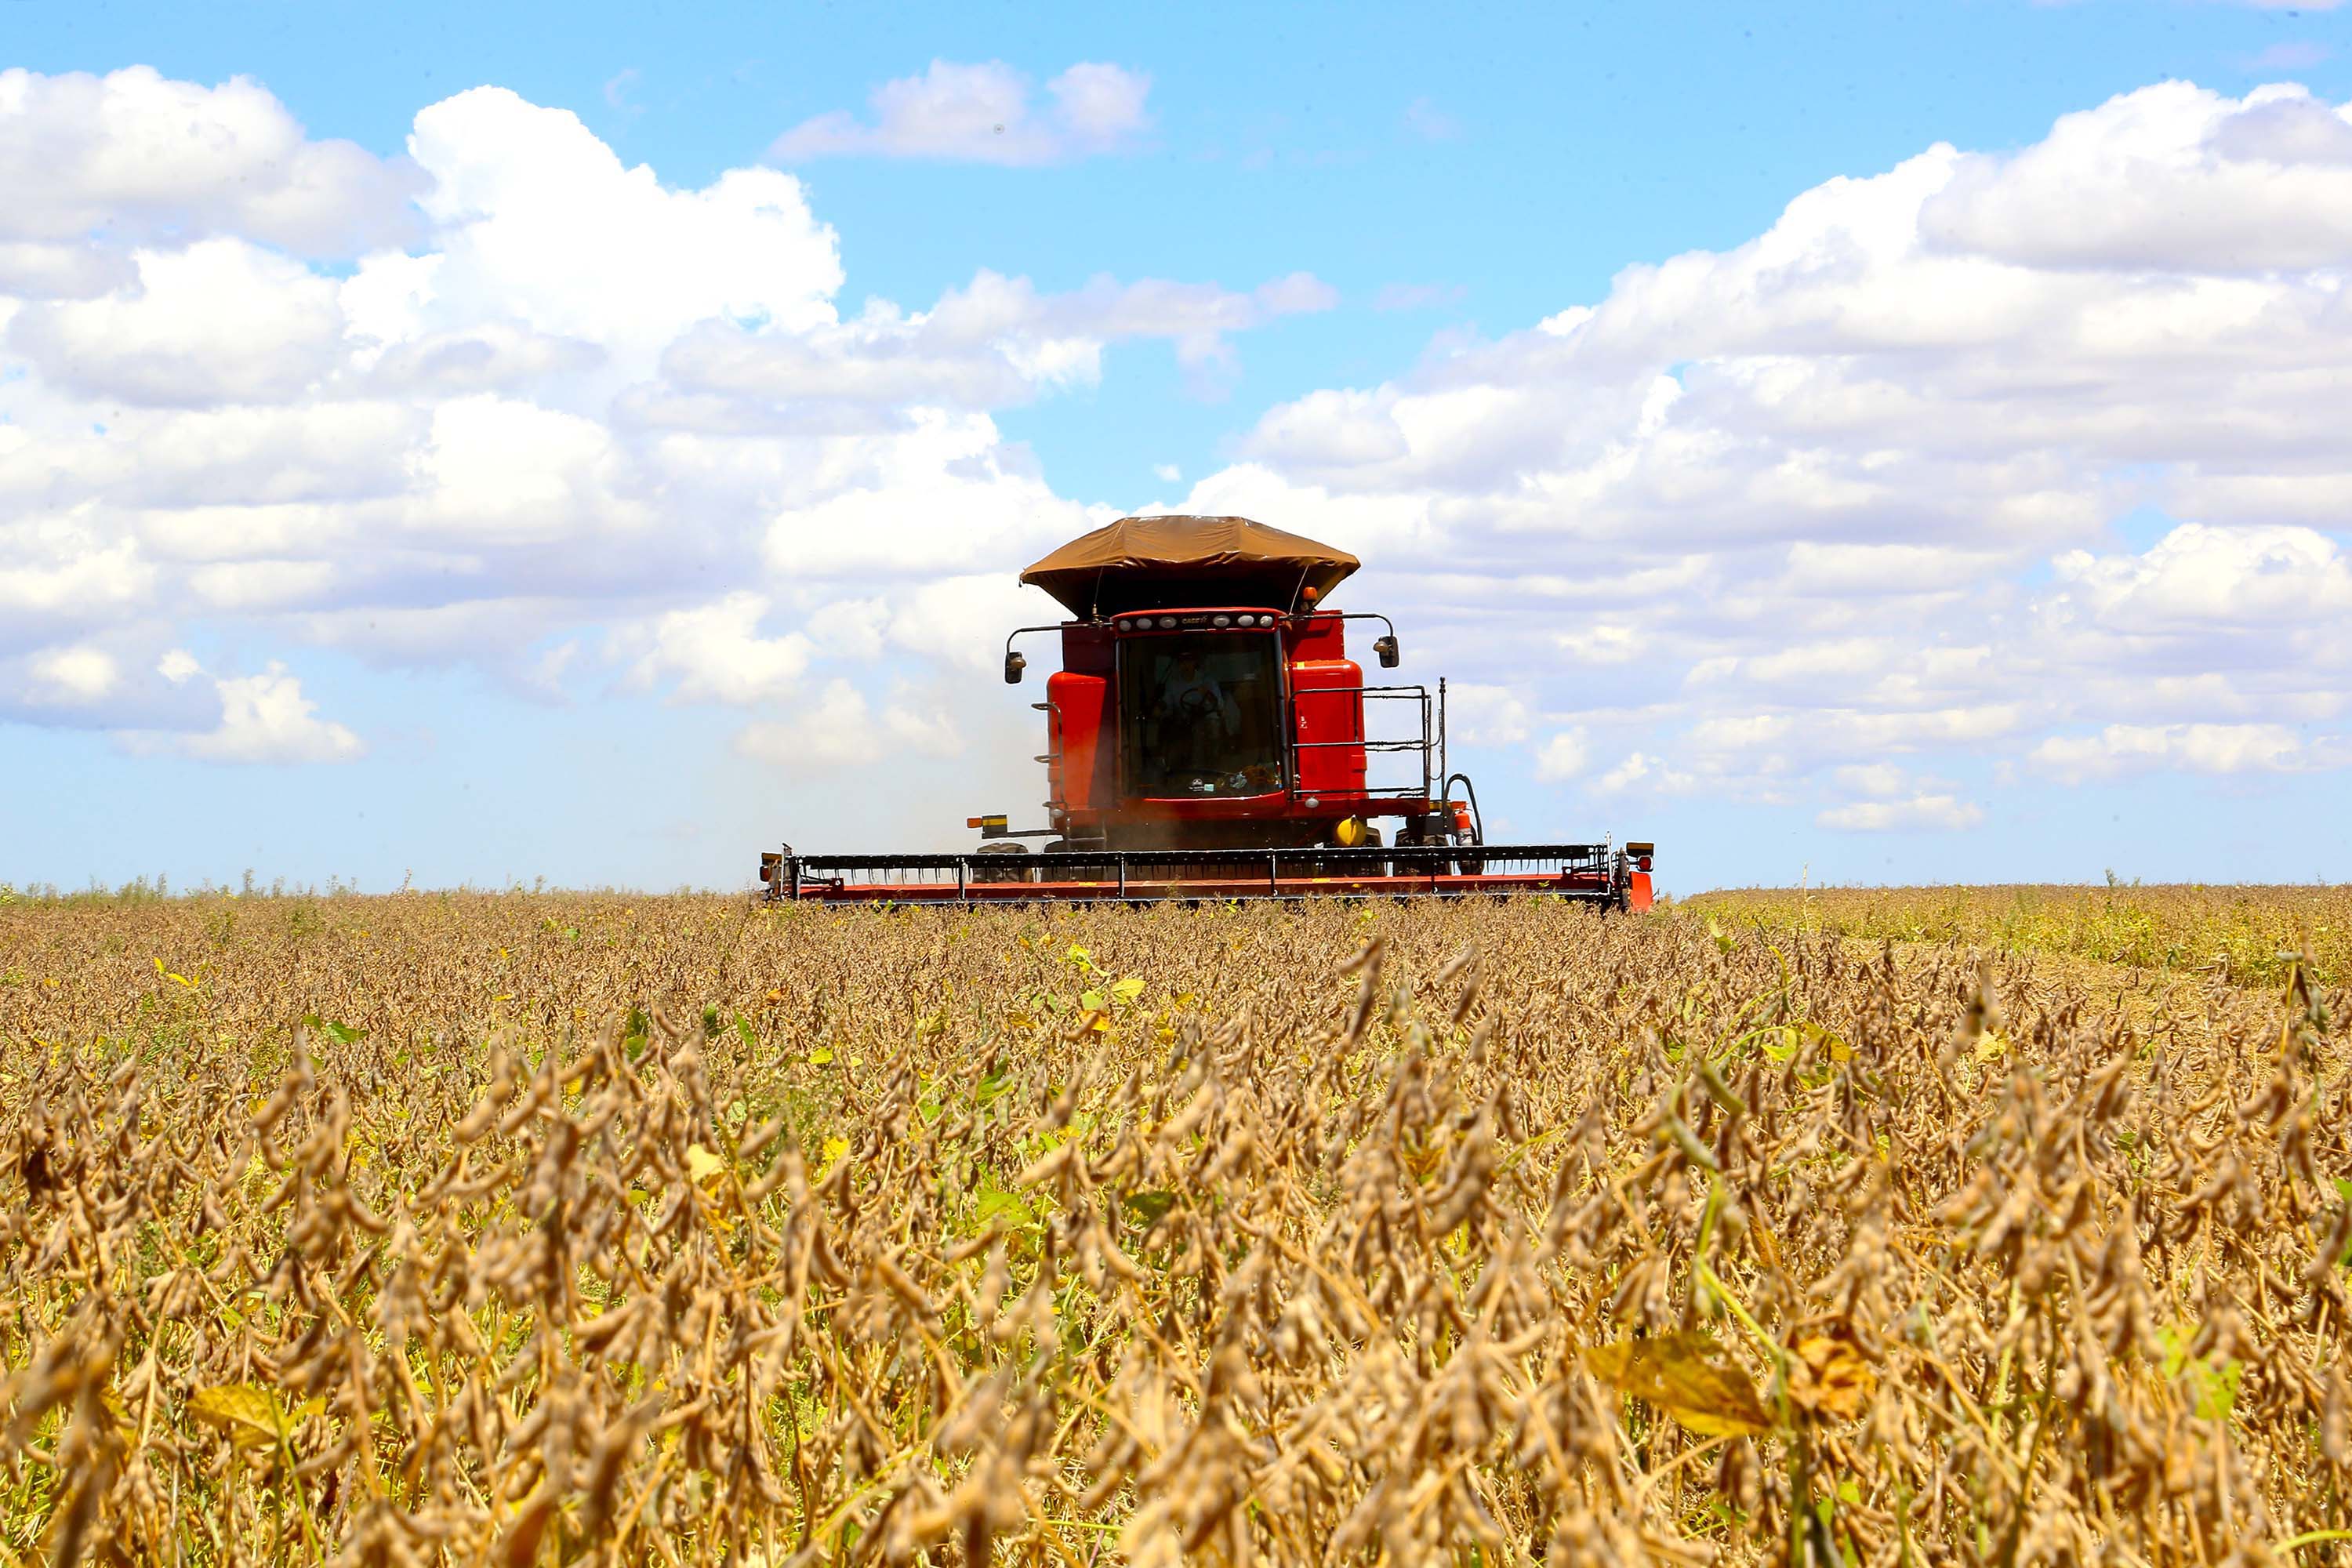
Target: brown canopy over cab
point(1173, 563)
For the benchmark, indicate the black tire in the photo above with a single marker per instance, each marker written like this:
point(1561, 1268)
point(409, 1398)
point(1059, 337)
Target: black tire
point(1421, 833)
point(1104, 872)
point(1012, 871)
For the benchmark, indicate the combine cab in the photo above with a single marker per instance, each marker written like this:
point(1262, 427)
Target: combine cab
point(1208, 737)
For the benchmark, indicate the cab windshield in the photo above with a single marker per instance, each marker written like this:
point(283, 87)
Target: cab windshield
point(1201, 715)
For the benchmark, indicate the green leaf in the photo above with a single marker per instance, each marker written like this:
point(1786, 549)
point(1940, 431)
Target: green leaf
point(1689, 1375)
point(1092, 1001)
point(2217, 1387)
point(1147, 1207)
point(2344, 1191)
point(743, 1027)
point(342, 1034)
point(995, 1203)
point(993, 1087)
point(2210, 1382)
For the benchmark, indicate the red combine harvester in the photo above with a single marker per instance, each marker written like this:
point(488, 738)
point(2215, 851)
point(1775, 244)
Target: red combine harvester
point(1206, 738)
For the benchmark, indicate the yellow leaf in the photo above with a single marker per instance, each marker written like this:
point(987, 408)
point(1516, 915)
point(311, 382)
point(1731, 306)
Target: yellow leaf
point(1831, 1377)
point(503, 996)
point(1838, 1050)
point(819, 1057)
point(701, 1165)
point(1690, 1376)
point(250, 1416)
point(834, 1148)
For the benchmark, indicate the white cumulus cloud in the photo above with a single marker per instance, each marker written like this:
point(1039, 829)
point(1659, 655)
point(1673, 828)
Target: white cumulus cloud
point(221, 322)
point(1481, 715)
point(841, 729)
point(2217, 748)
point(261, 718)
point(74, 675)
point(983, 113)
point(141, 155)
point(1941, 812)
point(508, 400)
point(265, 718)
point(2199, 575)
point(1563, 757)
point(715, 653)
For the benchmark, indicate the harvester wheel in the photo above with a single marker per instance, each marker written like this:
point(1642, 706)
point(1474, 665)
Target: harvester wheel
point(1105, 872)
point(1436, 829)
point(1015, 865)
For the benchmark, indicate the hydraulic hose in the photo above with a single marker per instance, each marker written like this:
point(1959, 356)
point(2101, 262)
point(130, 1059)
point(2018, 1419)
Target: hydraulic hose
point(1470, 791)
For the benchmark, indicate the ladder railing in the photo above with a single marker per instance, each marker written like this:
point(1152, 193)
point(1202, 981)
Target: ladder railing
point(1427, 745)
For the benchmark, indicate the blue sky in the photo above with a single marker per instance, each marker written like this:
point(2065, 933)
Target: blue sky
point(2005, 548)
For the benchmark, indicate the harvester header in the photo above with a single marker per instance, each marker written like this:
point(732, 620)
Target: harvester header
point(1207, 736)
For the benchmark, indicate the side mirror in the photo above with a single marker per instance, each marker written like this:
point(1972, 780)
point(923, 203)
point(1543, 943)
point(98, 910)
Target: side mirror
point(1387, 648)
point(1014, 665)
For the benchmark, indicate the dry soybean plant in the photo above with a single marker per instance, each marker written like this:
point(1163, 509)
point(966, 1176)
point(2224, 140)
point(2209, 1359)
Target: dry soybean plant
point(519, 1229)
point(2250, 935)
